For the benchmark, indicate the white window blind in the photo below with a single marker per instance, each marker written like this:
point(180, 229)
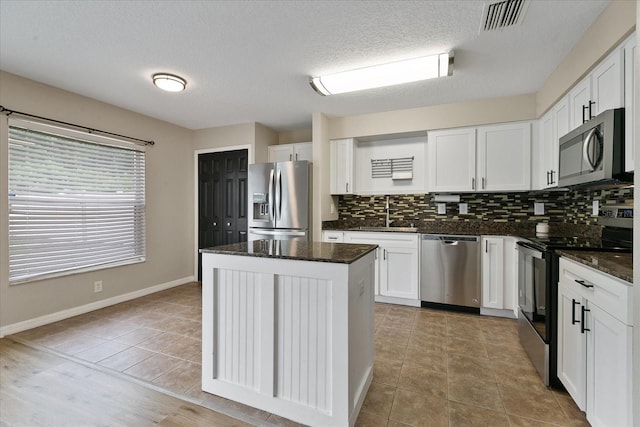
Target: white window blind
point(76, 201)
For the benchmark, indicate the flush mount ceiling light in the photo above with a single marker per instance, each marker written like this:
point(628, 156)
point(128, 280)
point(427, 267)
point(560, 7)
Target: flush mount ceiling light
point(169, 82)
point(410, 70)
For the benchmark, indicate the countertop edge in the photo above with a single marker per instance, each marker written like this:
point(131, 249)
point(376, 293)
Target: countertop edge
point(605, 263)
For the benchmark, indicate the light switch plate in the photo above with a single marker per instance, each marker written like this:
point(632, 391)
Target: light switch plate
point(595, 208)
point(463, 208)
point(538, 208)
point(442, 209)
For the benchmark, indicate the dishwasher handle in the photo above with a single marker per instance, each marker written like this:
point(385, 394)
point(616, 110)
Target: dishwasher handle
point(448, 239)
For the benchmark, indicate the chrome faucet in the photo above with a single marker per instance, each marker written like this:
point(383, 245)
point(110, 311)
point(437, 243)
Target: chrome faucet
point(387, 223)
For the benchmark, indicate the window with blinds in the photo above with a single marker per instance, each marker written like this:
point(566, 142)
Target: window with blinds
point(76, 201)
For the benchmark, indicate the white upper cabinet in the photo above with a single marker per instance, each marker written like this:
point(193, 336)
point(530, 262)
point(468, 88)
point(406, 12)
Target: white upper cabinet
point(452, 160)
point(607, 83)
point(341, 166)
point(504, 157)
point(288, 152)
point(630, 102)
point(601, 90)
point(499, 161)
point(548, 150)
point(553, 125)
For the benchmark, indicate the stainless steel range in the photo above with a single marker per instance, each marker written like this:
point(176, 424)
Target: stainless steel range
point(538, 283)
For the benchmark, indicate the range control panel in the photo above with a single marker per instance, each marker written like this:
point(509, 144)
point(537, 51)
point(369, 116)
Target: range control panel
point(616, 216)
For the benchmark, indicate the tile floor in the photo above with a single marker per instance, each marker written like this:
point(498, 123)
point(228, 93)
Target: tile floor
point(431, 367)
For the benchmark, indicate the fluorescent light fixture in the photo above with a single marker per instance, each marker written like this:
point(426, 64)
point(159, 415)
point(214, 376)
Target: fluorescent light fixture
point(410, 70)
point(169, 82)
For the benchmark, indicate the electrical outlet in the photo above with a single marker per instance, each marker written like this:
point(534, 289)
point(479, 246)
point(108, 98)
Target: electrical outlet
point(97, 286)
point(595, 208)
point(538, 208)
point(442, 209)
point(463, 208)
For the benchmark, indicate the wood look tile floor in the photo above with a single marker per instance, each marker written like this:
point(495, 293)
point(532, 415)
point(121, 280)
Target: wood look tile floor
point(431, 367)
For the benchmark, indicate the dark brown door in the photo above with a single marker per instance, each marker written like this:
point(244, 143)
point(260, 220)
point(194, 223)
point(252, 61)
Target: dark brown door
point(222, 199)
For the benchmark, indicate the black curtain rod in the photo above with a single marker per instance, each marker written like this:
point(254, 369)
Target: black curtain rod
point(9, 112)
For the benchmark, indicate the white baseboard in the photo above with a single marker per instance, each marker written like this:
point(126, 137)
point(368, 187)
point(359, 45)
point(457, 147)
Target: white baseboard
point(498, 313)
point(399, 301)
point(75, 311)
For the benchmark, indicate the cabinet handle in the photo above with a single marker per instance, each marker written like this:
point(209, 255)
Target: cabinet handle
point(290, 156)
point(548, 180)
point(583, 319)
point(552, 180)
point(483, 182)
point(583, 283)
point(486, 246)
point(384, 254)
point(573, 311)
point(590, 104)
point(584, 108)
point(296, 156)
point(332, 238)
point(346, 186)
point(473, 183)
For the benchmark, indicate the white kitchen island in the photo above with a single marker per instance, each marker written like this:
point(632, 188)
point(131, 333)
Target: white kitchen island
point(287, 327)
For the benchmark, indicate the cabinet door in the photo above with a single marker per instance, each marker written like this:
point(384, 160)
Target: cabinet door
point(493, 272)
point(572, 368)
point(452, 160)
point(303, 151)
point(399, 273)
point(280, 153)
point(341, 166)
point(607, 83)
point(547, 152)
point(561, 123)
point(630, 103)
point(609, 369)
point(579, 96)
point(504, 157)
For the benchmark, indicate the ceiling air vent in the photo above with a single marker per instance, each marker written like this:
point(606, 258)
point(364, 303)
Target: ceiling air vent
point(501, 14)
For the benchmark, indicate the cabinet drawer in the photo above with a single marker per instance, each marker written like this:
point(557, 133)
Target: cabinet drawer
point(333, 236)
point(385, 239)
point(607, 292)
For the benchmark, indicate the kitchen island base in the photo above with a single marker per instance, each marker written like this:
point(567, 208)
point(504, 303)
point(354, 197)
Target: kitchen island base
point(291, 337)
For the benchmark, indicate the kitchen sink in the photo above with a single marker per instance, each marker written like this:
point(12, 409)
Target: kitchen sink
point(396, 229)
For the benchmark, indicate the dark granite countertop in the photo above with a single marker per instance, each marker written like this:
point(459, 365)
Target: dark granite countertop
point(340, 253)
point(619, 265)
point(473, 228)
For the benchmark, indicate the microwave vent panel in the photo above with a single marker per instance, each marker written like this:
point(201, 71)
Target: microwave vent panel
point(498, 15)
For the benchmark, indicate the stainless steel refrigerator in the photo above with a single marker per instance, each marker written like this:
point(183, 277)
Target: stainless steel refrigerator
point(279, 200)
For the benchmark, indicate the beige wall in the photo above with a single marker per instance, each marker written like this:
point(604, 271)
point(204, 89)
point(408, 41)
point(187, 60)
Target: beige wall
point(264, 137)
point(293, 136)
point(471, 113)
point(323, 204)
point(225, 136)
point(612, 26)
point(169, 203)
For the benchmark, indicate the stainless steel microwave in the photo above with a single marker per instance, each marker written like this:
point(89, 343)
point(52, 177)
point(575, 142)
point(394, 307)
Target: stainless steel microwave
point(593, 153)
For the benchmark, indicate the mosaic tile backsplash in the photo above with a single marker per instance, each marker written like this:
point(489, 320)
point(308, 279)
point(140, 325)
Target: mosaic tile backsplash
point(568, 207)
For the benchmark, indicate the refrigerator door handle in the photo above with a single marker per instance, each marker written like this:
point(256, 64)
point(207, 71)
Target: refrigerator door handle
point(278, 233)
point(279, 195)
point(270, 196)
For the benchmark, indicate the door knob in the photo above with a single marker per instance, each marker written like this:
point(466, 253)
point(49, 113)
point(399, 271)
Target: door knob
point(228, 224)
point(215, 224)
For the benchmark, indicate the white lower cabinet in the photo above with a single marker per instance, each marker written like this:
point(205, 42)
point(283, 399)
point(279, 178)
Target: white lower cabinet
point(595, 343)
point(398, 264)
point(499, 276)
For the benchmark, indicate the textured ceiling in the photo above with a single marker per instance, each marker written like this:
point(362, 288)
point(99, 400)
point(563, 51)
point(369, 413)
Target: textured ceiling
point(250, 61)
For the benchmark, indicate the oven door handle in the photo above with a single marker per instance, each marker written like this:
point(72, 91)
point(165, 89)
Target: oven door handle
point(528, 249)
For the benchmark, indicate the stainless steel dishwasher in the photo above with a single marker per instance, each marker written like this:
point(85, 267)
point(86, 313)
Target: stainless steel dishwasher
point(450, 271)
